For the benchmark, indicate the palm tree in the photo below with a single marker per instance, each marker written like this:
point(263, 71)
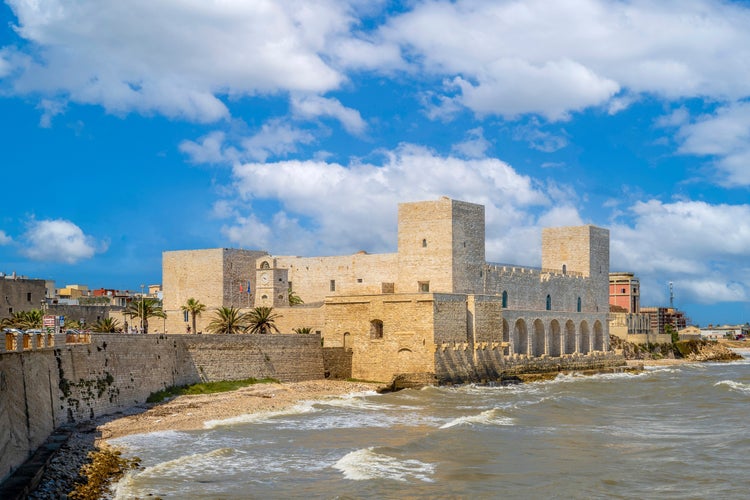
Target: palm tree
point(106, 325)
point(195, 308)
point(294, 299)
point(227, 320)
point(144, 309)
point(304, 329)
point(262, 320)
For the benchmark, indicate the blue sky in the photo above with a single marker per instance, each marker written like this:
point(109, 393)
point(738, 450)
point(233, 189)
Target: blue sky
point(131, 128)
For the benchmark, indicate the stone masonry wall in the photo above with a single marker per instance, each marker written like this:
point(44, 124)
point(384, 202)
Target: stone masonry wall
point(20, 294)
point(45, 388)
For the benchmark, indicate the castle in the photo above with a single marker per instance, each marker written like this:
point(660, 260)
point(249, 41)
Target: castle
point(436, 306)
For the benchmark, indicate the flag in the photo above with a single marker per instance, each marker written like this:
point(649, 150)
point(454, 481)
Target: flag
point(241, 288)
point(248, 287)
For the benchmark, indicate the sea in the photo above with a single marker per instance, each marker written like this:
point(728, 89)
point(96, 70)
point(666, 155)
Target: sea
point(679, 431)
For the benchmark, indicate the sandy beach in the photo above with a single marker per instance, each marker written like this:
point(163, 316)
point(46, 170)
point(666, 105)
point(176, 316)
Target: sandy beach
point(191, 412)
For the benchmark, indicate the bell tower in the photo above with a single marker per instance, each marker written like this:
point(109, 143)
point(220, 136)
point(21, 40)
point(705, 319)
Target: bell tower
point(272, 284)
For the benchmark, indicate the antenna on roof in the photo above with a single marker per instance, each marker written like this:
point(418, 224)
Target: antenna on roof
point(671, 295)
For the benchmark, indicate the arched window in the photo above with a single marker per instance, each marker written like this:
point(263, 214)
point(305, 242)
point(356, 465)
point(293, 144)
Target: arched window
point(549, 303)
point(578, 307)
point(424, 243)
point(265, 265)
point(376, 329)
point(505, 299)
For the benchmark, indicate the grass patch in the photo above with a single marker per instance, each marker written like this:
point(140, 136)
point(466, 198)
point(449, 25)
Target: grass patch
point(206, 388)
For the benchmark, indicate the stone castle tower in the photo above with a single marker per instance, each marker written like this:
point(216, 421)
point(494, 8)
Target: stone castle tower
point(440, 246)
point(583, 250)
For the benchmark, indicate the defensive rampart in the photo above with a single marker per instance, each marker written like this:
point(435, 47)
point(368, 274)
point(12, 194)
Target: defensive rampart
point(43, 386)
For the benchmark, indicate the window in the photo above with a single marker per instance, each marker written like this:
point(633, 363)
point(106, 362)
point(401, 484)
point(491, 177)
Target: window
point(565, 269)
point(28, 296)
point(505, 299)
point(424, 243)
point(578, 306)
point(333, 285)
point(549, 303)
point(265, 265)
point(424, 286)
point(185, 316)
point(359, 280)
point(376, 329)
point(622, 290)
point(290, 285)
point(264, 297)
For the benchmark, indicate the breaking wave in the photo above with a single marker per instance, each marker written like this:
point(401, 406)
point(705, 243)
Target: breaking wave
point(365, 464)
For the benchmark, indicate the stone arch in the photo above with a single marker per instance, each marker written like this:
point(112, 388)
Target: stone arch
point(347, 341)
point(585, 341)
point(520, 338)
point(404, 360)
point(539, 343)
point(555, 339)
point(570, 337)
point(265, 265)
point(506, 336)
point(598, 336)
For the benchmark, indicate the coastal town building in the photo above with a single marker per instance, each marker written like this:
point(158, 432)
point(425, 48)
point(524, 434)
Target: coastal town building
point(19, 293)
point(660, 317)
point(434, 306)
point(624, 292)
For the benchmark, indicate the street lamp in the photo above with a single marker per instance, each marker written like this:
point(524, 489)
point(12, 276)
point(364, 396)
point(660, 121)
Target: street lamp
point(143, 310)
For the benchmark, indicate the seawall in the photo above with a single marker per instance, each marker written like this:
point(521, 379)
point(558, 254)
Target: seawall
point(44, 388)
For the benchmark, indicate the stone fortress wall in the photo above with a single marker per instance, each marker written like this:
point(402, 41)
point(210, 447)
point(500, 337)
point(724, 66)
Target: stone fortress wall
point(43, 387)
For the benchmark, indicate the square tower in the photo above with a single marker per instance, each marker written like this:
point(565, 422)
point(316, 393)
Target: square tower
point(580, 249)
point(440, 246)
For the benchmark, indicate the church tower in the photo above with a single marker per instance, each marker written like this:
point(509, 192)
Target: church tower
point(272, 284)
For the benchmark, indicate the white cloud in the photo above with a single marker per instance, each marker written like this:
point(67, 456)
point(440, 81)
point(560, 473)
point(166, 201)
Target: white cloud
point(5, 239)
point(174, 57)
point(725, 135)
point(702, 248)
point(554, 58)
point(276, 138)
point(475, 145)
point(58, 241)
point(539, 139)
point(209, 149)
point(311, 107)
point(354, 207)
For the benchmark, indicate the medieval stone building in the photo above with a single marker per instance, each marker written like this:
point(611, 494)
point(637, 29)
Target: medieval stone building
point(436, 306)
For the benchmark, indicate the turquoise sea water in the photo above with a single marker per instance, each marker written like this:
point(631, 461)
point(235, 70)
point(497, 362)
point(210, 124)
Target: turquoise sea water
point(671, 432)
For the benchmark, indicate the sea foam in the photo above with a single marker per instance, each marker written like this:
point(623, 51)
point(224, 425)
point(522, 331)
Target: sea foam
point(489, 417)
point(735, 386)
point(365, 464)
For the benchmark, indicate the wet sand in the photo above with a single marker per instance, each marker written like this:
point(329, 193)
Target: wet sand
point(191, 412)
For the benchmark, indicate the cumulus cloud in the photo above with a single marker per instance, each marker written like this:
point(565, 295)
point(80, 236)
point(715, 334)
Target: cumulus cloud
point(59, 241)
point(316, 106)
point(174, 57)
point(338, 208)
point(702, 248)
point(724, 135)
point(209, 149)
point(554, 58)
point(276, 138)
point(475, 145)
point(4, 238)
